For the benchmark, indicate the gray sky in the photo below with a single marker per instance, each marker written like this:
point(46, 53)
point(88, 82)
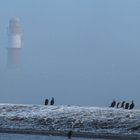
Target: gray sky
point(82, 52)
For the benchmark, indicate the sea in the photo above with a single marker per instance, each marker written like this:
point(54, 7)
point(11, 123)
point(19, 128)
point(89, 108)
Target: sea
point(7, 136)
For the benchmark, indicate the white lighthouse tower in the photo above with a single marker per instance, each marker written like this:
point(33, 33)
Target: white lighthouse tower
point(14, 47)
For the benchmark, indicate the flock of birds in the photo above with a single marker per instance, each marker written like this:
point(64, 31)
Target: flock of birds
point(51, 102)
point(123, 104)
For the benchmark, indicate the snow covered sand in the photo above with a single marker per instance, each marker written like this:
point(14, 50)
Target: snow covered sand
point(58, 120)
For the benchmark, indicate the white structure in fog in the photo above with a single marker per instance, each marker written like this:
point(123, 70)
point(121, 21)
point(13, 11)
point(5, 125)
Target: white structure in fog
point(14, 38)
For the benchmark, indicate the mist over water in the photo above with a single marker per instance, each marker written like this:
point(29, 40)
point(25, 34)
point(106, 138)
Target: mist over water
point(80, 53)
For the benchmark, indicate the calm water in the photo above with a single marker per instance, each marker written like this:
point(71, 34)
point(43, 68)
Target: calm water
point(5, 136)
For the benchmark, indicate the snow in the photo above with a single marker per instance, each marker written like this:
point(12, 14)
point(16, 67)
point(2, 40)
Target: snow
point(95, 120)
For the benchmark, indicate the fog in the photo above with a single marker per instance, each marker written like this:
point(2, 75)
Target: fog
point(79, 52)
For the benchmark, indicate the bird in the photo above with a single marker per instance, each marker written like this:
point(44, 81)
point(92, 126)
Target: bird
point(122, 104)
point(132, 105)
point(118, 105)
point(52, 101)
point(113, 103)
point(69, 134)
point(46, 102)
point(126, 106)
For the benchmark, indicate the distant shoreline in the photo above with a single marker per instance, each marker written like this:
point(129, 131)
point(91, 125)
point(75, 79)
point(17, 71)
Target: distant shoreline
point(64, 134)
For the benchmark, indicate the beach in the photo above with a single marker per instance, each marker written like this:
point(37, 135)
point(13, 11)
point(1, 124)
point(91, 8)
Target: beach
point(85, 122)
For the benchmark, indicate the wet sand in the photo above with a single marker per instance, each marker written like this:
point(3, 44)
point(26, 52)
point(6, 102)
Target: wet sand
point(75, 134)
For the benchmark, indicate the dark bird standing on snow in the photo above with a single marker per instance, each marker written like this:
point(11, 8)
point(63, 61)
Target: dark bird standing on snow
point(132, 105)
point(46, 102)
point(113, 103)
point(126, 106)
point(69, 134)
point(122, 105)
point(52, 101)
point(118, 104)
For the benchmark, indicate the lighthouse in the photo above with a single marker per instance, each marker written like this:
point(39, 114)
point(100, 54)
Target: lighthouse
point(14, 43)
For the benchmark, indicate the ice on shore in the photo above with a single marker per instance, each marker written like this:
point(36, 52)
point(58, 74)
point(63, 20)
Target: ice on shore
point(79, 119)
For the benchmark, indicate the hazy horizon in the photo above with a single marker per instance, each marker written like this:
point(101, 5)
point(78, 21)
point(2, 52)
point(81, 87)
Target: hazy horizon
point(79, 52)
